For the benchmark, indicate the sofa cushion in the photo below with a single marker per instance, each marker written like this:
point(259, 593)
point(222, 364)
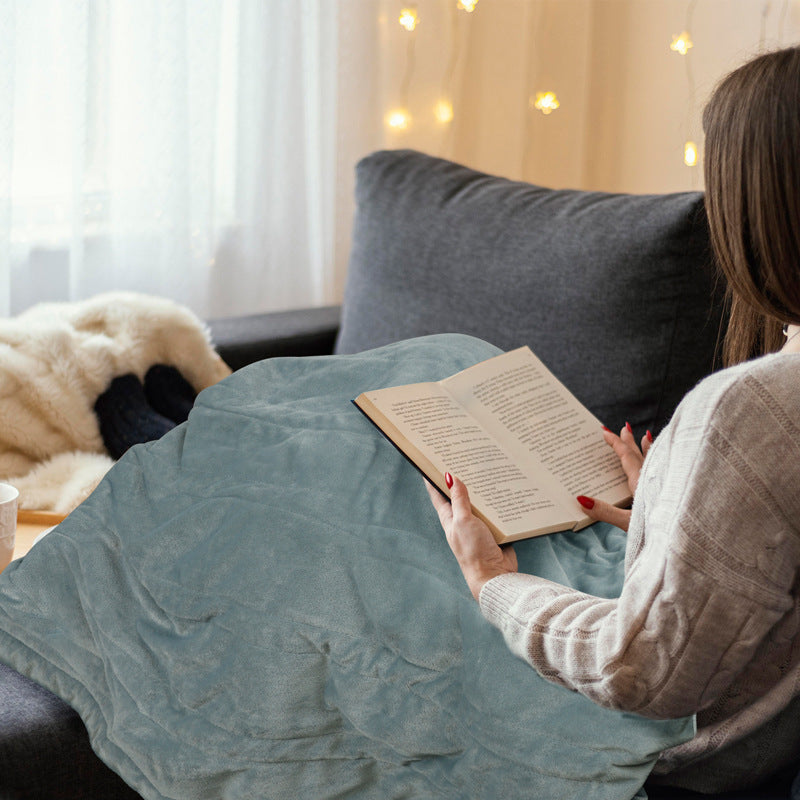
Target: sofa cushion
point(615, 293)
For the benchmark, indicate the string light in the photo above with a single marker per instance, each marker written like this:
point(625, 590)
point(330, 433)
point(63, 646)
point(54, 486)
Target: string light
point(443, 111)
point(409, 18)
point(398, 119)
point(681, 43)
point(546, 102)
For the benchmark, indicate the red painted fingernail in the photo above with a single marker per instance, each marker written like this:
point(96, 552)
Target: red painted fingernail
point(585, 501)
point(649, 436)
point(628, 426)
point(607, 429)
point(448, 479)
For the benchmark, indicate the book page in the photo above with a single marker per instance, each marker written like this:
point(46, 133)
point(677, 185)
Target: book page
point(532, 413)
point(451, 440)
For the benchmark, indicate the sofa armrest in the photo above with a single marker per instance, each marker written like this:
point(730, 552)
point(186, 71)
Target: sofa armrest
point(302, 332)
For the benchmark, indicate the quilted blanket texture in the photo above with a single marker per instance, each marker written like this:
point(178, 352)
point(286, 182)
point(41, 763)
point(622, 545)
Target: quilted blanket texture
point(57, 358)
point(262, 604)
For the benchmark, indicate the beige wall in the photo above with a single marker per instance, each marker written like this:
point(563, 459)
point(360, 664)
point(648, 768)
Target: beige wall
point(627, 106)
point(627, 102)
point(639, 148)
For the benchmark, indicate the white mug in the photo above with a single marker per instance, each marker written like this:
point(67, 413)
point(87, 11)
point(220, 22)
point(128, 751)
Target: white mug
point(8, 523)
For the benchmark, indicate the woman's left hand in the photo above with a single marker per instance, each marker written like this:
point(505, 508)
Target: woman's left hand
point(472, 543)
point(631, 458)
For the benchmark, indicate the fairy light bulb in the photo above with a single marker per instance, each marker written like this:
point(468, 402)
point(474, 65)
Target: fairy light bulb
point(681, 43)
point(409, 18)
point(443, 111)
point(398, 119)
point(546, 102)
point(467, 5)
point(690, 154)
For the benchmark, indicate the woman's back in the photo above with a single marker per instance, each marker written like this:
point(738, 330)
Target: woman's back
point(709, 614)
point(722, 486)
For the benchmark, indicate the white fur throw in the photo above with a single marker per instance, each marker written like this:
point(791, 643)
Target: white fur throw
point(56, 359)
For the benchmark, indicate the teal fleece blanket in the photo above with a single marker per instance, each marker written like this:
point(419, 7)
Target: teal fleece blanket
point(262, 605)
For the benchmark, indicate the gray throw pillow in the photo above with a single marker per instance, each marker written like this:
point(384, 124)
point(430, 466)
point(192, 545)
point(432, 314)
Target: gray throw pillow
point(615, 293)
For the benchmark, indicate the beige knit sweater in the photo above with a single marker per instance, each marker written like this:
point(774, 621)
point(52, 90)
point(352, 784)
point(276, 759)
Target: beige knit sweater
point(708, 620)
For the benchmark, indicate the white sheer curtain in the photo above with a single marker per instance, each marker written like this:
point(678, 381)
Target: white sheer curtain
point(185, 148)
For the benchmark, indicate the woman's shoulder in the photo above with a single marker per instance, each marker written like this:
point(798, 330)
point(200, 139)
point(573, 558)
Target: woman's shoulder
point(765, 386)
point(776, 373)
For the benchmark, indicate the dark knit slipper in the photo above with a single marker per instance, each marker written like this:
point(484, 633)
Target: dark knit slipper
point(168, 392)
point(126, 418)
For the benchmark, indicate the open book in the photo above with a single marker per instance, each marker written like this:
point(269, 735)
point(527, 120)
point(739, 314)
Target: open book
point(518, 438)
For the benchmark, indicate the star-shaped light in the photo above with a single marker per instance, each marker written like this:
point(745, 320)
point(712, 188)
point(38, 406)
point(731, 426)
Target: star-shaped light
point(409, 18)
point(546, 102)
point(443, 111)
point(681, 43)
point(398, 119)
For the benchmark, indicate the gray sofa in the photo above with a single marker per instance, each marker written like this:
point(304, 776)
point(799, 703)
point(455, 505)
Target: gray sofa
point(616, 293)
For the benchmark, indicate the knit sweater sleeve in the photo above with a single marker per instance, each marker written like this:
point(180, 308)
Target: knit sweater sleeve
point(713, 558)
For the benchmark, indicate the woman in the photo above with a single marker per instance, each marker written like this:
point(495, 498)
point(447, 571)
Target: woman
point(708, 620)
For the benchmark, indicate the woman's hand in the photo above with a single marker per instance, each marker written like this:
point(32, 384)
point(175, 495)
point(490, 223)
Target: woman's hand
point(472, 543)
point(631, 457)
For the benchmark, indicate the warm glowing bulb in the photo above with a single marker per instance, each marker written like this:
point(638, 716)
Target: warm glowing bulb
point(690, 154)
point(408, 18)
point(398, 119)
point(443, 111)
point(681, 43)
point(546, 102)
point(467, 5)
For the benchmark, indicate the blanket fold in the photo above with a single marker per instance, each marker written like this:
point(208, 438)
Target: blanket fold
point(262, 604)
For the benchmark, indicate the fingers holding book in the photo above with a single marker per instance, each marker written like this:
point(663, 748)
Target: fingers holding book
point(478, 554)
point(475, 548)
point(631, 455)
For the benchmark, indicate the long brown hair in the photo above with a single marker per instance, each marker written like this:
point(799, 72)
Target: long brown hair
point(752, 178)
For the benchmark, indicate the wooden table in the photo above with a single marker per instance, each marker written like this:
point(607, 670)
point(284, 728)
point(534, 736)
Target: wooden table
point(29, 525)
